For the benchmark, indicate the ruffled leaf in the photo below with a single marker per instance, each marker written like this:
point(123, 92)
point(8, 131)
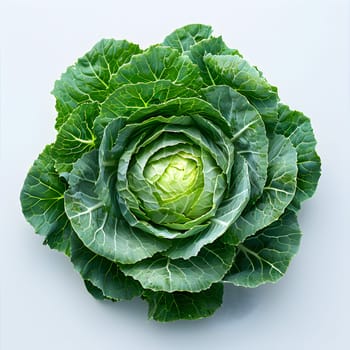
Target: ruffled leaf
point(214, 46)
point(265, 256)
point(159, 63)
point(94, 291)
point(42, 200)
point(297, 127)
point(234, 71)
point(89, 79)
point(75, 137)
point(249, 135)
point(102, 273)
point(278, 192)
point(130, 98)
point(165, 307)
point(198, 273)
point(183, 38)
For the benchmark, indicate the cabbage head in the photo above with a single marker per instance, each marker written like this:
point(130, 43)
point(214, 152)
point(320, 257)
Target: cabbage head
point(175, 169)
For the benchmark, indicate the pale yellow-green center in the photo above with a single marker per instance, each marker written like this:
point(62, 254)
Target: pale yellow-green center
point(173, 175)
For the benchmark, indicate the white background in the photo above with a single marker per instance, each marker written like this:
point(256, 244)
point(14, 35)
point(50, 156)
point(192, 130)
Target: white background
point(303, 48)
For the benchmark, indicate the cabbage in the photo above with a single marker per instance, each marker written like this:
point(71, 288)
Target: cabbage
point(175, 169)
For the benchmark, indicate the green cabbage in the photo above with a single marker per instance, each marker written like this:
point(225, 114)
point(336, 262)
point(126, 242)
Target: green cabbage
point(175, 169)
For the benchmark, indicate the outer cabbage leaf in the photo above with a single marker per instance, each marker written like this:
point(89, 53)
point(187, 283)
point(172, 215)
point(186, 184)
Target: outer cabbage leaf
point(94, 291)
point(183, 38)
point(198, 273)
point(234, 71)
point(265, 256)
point(165, 307)
point(297, 127)
point(60, 238)
point(89, 79)
point(42, 199)
point(130, 98)
point(249, 136)
point(102, 273)
point(75, 137)
point(159, 63)
point(214, 46)
point(278, 192)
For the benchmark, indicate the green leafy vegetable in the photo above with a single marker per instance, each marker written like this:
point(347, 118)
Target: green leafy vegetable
point(175, 170)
